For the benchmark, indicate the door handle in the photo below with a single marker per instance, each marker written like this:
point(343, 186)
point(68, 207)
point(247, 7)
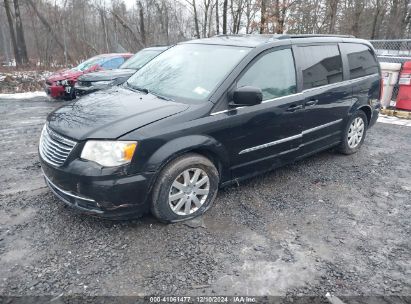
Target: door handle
point(311, 102)
point(293, 108)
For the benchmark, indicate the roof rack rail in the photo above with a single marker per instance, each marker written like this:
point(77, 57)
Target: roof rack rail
point(293, 36)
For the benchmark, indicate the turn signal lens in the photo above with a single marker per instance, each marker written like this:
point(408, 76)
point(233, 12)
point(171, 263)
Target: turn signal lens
point(129, 151)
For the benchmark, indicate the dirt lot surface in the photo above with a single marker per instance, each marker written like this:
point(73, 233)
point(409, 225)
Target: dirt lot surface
point(330, 223)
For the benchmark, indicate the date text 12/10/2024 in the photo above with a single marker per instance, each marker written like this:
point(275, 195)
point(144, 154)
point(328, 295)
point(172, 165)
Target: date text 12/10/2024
point(203, 299)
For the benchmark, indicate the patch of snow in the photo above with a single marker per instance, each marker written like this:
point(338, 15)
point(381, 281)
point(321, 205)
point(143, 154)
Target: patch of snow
point(25, 95)
point(394, 120)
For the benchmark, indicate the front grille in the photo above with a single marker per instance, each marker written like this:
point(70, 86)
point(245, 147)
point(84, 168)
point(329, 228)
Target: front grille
point(54, 148)
point(84, 83)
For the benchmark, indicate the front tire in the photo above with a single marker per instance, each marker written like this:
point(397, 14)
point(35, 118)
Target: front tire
point(185, 188)
point(354, 133)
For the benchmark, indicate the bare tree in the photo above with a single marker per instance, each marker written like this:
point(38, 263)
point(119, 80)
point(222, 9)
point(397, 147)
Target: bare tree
point(82, 28)
point(217, 18)
point(12, 34)
point(206, 4)
point(125, 25)
point(225, 11)
point(405, 17)
point(47, 25)
point(379, 12)
point(103, 23)
point(163, 16)
point(142, 26)
point(333, 7)
point(237, 8)
point(21, 42)
point(263, 19)
point(196, 24)
point(4, 43)
point(358, 9)
point(211, 21)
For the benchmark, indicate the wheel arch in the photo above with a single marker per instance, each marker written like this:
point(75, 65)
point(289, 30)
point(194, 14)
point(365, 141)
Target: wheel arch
point(199, 144)
point(362, 107)
point(367, 111)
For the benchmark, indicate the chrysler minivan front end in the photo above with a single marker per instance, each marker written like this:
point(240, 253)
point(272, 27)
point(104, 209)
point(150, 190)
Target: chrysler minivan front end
point(92, 176)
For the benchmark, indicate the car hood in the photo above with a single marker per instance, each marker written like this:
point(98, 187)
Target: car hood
point(64, 74)
point(110, 114)
point(107, 75)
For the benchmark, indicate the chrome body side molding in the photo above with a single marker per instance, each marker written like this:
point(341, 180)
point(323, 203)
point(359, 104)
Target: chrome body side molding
point(273, 143)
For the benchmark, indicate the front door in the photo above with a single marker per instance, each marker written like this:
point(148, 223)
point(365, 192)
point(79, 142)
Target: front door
point(264, 136)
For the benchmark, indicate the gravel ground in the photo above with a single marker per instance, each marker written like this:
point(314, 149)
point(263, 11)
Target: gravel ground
point(330, 223)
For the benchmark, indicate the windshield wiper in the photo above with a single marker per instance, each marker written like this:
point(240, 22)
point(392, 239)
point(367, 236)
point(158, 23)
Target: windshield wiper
point(147, 91)
point(161, 96)
point(144, 90)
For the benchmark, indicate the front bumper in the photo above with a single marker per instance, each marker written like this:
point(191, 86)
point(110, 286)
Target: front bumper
point(83, 90)
point(56, 91)
point(114, 196)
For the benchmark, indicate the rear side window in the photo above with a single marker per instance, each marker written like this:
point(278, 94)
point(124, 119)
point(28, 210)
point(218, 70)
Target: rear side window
point(113, 63)
point(320, 65)
point(361, 60)
point(273, 73)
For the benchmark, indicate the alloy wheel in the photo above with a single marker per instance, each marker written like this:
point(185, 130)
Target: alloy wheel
point(189, 191)
point(355, 132)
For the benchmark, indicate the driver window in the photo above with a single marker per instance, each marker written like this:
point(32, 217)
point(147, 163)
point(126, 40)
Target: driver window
point(273, 73)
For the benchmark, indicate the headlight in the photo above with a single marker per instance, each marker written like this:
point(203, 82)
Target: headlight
point(109, 153)
point(62, 82)
point(101, 83)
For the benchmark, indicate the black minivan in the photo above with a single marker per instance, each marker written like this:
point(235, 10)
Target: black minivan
point(206, 113)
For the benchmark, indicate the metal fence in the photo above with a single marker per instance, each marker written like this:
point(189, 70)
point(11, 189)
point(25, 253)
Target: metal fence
point(393, 48)
point(396, 51)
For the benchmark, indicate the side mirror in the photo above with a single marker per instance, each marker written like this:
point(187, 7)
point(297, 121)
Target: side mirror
point(246, 96)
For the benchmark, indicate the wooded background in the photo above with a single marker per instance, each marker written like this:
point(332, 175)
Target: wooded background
point(60, 32)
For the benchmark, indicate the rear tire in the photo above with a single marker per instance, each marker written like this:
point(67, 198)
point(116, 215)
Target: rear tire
point(185, 188)
point(354, 133)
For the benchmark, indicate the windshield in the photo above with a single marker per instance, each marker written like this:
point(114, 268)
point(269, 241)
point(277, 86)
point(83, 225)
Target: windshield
point(140, 59)
point(188, 71)
point(88, 64)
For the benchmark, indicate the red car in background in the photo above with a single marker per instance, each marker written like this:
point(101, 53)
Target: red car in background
point(61, 84)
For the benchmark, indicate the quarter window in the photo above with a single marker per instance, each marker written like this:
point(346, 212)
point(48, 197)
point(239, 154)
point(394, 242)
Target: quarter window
point(320, 65)
point(361, 61)
point(273, 73)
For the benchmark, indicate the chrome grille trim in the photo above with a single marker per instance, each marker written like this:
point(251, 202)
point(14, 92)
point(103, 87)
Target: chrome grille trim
point(54, 148)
